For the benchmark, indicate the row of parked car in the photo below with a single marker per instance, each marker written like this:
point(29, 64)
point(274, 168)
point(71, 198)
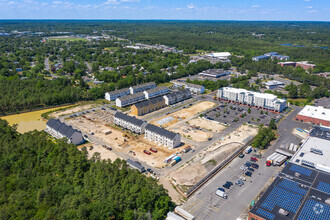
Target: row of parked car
point(250, 166)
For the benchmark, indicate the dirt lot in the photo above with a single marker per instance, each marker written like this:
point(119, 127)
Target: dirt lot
point(191, 133)
point(207, 124)
point(72, 110)
point(104, 153)
point(185, 113)
point(205, 161)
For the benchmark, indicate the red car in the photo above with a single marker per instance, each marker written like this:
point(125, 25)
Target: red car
point(153, 150)
point(253, 159)
point(146, 152)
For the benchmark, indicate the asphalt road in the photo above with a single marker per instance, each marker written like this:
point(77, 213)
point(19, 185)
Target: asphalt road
point(205, 204)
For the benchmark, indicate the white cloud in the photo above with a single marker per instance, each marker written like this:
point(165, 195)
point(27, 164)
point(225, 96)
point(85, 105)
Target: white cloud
point(191, 6)
point(255, 6)
point(312, 11)
point(308, 0)
point(309, 7)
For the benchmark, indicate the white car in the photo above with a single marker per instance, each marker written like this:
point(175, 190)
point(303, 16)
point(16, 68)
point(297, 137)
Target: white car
point(242, 178)
point(243, 168)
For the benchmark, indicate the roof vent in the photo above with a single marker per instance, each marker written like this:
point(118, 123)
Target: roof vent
point(307, 163)
point(316, 151)
point(297, 174)
point(283, 212)
point(327, 201)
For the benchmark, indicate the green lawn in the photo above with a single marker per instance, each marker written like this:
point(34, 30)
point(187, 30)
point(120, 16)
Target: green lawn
point(68, 39)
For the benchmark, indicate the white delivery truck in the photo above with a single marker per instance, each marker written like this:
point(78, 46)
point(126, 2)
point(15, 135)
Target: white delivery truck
point(221, 194)
point(248, 149)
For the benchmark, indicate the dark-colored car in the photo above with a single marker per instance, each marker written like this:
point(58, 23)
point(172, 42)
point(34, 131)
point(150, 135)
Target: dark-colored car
point(221, 189)
point(230, 183)
point(150, 170)
point(241, 155)
point(248, 173)
point(251, 169)
point(227, 186)
point(255, 166)
point(248, 164)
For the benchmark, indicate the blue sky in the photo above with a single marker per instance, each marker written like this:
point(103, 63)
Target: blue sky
point(290, 10)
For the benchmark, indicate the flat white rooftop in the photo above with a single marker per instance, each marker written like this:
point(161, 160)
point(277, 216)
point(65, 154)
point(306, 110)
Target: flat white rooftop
point(273, 82)
point(220, 54)
point(318, 112)
point(320, 161)
point(256, 94)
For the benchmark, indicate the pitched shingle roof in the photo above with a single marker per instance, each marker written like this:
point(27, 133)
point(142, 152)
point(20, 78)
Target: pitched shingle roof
point(157, 89)
point(149, 101)
point(143, 85)
point(128, 118)
point(132, 96)
point(119, 91)
point(67, 131)
point(160, 131)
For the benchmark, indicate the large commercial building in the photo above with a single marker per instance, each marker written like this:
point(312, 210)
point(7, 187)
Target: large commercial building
point(130, 99)
point(112, 96)
point(162, 90)
point(274, 84)
point(60, 130)
point(177, 96)
point(255, 99)
point(316, 115)
point(305, 65)
point(130, 123)
point(162, 136)
point(220, 55)
point(214, 73)
point(298, 192)
point(142, 87)
point(271, 55)
point(148, 106)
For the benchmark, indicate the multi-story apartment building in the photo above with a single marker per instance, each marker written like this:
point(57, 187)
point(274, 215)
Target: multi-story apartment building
point(177, 96)
point(112, 96)
point(130, 123)
point(130, 99)
point(60, 130)
point(162, 136)
point(260, 100)
point(156, 92)
point(147, 106)
point(142, 87)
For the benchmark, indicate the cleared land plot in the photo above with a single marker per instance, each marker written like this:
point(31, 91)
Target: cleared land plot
point(104, 153)
point(185, 113)
point(191, 133)
point(73, 110)
point(206, 161)
point(206, 124)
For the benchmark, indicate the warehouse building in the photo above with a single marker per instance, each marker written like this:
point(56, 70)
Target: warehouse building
point(142, 87)
point(315, 114)
point(162, 90)
point(274, 84)
point(220, 55)
point(298, 192)
point(112, 96)
point(254, 99)
point(214, 73)
point(271, 55)
point(131, 123)
point(148, 106)
point(130, 99)
point(60, 130)
point(162, 136)
point(177, 96)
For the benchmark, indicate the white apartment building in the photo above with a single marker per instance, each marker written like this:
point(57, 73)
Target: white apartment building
point(156, 92)
point(112, 96)
point(142, 87)
point(162, 136)
point(250, 98)
point(130, 99)
point(197, 89)
point(130, 123)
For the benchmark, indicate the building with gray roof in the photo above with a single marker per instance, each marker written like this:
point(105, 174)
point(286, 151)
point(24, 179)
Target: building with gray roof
point(130, 99)
point(142, 87)
point(129, 122)
point(177, 96)
point(112, 96)
point(162, 136)
point(135, 165)
point(60, 130)
point(158, 91)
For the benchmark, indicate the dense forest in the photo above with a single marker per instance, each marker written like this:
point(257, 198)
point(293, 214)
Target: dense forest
point(42, 179)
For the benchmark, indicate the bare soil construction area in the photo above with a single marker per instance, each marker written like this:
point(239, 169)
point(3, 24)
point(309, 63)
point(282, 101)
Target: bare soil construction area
point(185, 113)
point(206, 161)
point(104, 153)
point(72, 110)
point(206, 124)
point(191, 133)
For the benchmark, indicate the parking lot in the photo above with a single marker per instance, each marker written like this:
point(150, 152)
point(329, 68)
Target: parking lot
point(230, 114)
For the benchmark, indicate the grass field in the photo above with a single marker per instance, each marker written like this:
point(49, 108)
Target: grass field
point(299, 102)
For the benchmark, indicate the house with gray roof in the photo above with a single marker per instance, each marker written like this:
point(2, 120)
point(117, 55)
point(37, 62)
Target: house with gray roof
point(177, 96)
point(142, 87)
point(59, 130)
point(162, 90)
point(112, 96)
point(131, 123)
point(130, 99)
point(162, 136)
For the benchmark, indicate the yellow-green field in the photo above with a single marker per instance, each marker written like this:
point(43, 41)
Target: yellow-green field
point(68, 39)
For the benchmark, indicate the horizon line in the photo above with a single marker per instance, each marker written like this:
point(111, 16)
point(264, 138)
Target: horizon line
point(115, 19)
